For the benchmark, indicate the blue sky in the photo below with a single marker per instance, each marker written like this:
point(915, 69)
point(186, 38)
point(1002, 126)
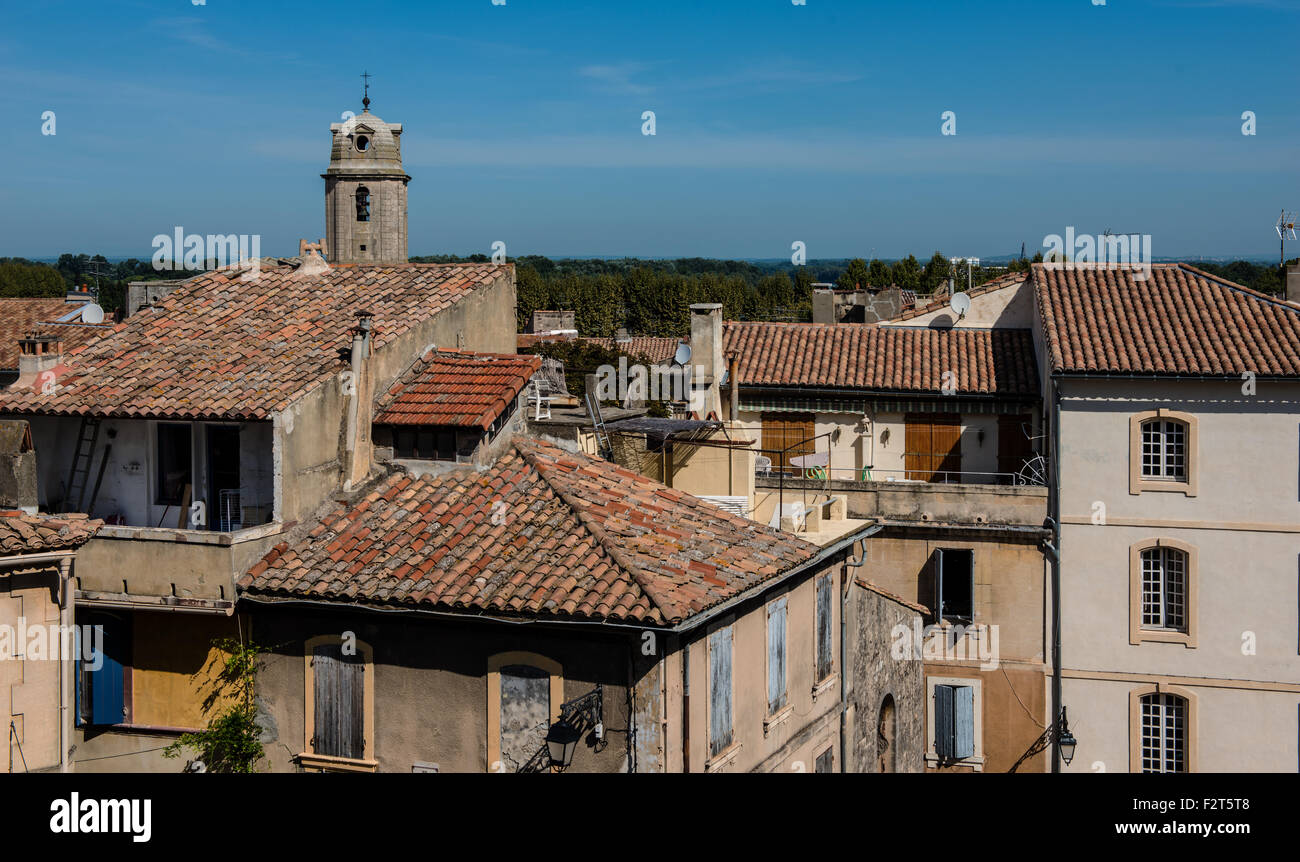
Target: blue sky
point(775, 123)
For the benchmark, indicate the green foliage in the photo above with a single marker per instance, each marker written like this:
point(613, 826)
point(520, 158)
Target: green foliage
point(856, 276)
point(20, 277)
point(232, 740)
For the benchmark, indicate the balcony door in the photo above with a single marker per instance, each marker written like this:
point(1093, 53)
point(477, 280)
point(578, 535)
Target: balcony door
point(225, 512)
point(932, 449)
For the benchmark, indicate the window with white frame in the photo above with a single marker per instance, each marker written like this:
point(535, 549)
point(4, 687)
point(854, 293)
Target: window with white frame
point(1164, 588)
point(776, 642)
point(1164, 450)
point(1164, 732)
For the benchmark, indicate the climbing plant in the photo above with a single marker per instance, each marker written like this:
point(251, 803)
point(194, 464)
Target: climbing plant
point(231, 741)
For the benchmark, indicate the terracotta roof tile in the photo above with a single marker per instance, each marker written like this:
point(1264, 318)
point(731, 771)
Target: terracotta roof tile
point(21, 533)
point(578, 538)
point(891, 358)
point(221, 347)
point(650, 347)
point(21, 316)
point(1178, 321)
point(445, 387)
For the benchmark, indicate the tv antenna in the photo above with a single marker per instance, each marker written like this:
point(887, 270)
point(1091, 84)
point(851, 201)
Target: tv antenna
point(1285, 228)
point(98, 269)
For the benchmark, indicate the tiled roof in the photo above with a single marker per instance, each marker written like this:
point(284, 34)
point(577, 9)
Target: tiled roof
point(444, 387)
point(941, 298)
point(1177, 321)
point(996, 362)
point(651, 347)
point(542, 532)
point(21, 533)
point(220, 347)
point(21, 316)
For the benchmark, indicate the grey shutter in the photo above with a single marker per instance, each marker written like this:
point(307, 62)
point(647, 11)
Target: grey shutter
point(719, 690)
point(963, 713)
point(339, 703)
point(824, 662)
point(938, 585)
point(944, 744)
point(776, 617)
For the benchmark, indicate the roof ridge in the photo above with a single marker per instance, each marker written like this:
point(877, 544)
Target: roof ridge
point(1241, 288)
point(610, 547)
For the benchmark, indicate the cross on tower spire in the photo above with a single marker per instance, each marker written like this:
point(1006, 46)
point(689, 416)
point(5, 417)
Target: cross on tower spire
point(365, 98)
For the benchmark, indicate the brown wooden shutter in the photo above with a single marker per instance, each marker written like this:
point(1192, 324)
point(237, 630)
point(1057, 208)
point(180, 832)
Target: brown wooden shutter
point(788, 429)
point(1014, 445)
point(932, 447)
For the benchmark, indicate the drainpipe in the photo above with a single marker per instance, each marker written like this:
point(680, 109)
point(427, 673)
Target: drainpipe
point(849, 563)
point(66, 677)
point(1054, 549)
point(360, 350)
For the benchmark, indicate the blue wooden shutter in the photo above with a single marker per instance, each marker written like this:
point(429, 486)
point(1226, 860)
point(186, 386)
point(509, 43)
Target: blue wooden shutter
point(963, 712)
point(106, 689)
point(944, 744)
point(719, 690)
point(954, 721)
point(776, 617)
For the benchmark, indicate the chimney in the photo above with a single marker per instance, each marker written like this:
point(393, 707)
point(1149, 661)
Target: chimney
point(37, 353)
point(357, 390)
point(706, 355)
point(17, 467)
point(1293, 283)
point(621, 337)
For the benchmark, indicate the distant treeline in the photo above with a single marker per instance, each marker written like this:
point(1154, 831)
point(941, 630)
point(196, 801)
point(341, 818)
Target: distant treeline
point(648, 297)
point(22, 277)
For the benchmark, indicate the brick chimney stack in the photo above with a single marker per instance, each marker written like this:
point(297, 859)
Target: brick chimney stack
point(37, 353)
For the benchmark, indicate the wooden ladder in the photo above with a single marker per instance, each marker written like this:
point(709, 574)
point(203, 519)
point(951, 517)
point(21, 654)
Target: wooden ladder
point(79, 476)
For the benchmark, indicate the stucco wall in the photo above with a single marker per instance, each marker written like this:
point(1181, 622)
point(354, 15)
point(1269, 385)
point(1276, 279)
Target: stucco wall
point(30, 685)
point(430, 684)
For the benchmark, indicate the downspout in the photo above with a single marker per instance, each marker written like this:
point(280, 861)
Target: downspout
point(360, 351)
point(67, 596)
point(1054, 550)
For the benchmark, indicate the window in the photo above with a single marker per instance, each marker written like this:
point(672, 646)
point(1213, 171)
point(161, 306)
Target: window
point(525, 692)
point(101, 670)
point(720, 731)
point(825, 761)
point(932, 447)
point(363, 143)
point(340, 705)
point(338, 728)
point(1162, 452)
point(363, 204)
point(886, 733)
point(954, 584)
point(825, 656)
point(954, 722)
point(175, 465)
point(1015, 445)
point(1164, 589)
point(1162, 592)
point(429, 443)
point(1164, 733)
point(776, 618)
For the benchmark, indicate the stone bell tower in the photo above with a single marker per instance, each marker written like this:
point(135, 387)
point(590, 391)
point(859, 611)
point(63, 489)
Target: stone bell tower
point(365, 191)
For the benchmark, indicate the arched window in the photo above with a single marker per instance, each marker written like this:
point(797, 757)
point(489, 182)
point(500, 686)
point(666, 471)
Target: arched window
point(363, 204)
point(1164, 450)
point(1165, 719)
point(1164, 589)
point(886, 733)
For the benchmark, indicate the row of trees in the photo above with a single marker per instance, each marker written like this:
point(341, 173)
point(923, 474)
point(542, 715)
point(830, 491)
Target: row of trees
point(22, 277)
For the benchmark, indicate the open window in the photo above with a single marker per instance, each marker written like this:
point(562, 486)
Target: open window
point(102, 668)
point(954, 584)
point(363, 204)
point(175, 464)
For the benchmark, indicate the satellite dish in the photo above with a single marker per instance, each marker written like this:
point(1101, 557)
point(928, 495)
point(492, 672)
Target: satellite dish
point(683, 354)
point(960, 304)
point(92, 313)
